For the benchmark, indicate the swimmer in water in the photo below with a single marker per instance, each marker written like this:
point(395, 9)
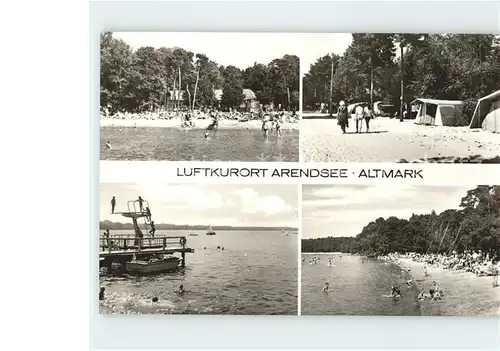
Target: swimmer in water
point(395, 292)
point(325, 287)
point(265, 127)
point(101, 293)
point(206, 135)
point(181, 290)
point(277, 126)
point(154, 299)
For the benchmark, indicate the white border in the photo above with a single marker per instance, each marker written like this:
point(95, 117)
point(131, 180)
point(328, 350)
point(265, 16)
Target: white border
point(356, 173)
point(299, 251)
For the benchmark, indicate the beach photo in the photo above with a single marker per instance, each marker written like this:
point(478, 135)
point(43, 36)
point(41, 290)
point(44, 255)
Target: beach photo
point(402, 98)
point(400, 250)
point(198, 249)
point(199, 97)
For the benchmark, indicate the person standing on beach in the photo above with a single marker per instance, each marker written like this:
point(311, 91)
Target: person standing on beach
point(368, 115)
point(113, 204)
point(342, 117)
point(358, 117)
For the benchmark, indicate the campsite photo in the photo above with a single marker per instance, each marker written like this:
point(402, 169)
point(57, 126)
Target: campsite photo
point(198, 249)
point(400, 250)
point(403, 98)
point(199, 97)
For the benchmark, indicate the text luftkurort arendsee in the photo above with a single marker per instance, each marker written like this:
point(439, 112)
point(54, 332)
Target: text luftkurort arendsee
point(234, 172)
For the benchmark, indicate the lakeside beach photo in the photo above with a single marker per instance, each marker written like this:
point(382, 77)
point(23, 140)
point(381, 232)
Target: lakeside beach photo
point(199, 97)
point(403, 98)
point(198, 249)
point(400, 250)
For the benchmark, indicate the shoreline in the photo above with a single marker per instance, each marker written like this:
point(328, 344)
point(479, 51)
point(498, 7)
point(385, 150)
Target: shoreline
point(199, 123)
point(463, 291)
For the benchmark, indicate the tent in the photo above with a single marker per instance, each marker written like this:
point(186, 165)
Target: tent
point(487, 113)
point(439, 112)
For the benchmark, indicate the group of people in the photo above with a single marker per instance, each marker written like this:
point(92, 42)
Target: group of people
point(360, 113)
point(272, 122)
point(143, 210)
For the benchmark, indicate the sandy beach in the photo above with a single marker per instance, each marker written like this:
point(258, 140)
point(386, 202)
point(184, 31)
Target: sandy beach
point(393, 141)
point(465, 294)
point(199, 123)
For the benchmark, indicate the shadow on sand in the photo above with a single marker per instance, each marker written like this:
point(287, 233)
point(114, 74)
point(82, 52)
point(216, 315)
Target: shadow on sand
point(370, 132)
point(453, 159)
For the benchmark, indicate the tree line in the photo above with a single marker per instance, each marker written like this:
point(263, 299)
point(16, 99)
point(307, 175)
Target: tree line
point(452, 66)
point(474, 226)
point(166, 78)
point(103, 225)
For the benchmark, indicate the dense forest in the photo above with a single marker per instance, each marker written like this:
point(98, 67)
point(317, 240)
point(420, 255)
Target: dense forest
point(150, 78)
point(451, 66)
point(165, 226)
point(474, 226)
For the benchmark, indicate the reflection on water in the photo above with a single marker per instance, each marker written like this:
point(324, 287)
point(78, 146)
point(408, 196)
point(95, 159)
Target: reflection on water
point(256, 273)
point(176, 144)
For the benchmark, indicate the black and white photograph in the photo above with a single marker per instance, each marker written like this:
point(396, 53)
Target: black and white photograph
point(198, 249)
point(199, 97)
point(400, 250)
point(402, 98)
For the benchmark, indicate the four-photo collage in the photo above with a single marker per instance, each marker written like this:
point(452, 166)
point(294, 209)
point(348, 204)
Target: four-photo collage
point(384, 248)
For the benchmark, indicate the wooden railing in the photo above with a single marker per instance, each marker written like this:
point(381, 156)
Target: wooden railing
point(123, 242)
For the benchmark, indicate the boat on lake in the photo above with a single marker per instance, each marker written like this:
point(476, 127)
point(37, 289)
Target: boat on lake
point(157, 265)
point(210, 231)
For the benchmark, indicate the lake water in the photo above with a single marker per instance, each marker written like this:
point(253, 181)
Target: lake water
point(176, 144)
point(256, 273)
point(356, 288)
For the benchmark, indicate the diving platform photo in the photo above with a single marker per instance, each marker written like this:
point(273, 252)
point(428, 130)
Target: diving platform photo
point(198, 249)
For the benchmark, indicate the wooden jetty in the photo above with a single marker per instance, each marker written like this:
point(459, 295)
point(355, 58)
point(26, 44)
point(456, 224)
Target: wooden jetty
point(123, 248)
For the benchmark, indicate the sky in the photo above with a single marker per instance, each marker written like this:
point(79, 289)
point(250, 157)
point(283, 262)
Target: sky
point(210, 204)
point(343, 210)
point(243, 49)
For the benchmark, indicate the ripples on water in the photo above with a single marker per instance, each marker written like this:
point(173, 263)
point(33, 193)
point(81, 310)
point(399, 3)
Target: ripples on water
point(356, 288)
point(176, 144)
point(256, 273)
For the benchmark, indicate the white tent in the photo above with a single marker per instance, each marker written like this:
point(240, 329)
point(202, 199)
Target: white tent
point(487, 113)
point(439, 112)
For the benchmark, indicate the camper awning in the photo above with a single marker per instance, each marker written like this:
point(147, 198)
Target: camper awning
point(492, 96)
point(437, 102)
point(482, 109)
